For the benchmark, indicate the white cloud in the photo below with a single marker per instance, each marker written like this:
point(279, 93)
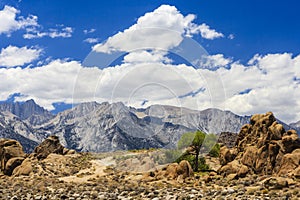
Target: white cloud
point(91, 40)
point(10, 22)
point(267, 82)
point(231, 36)
point(164, 28)
point(13, 56)
point(87, 31)
point(144, 56)
point(50, 83)
point(64, 32)
point(249, 89)
point(271, 83)
point(205, 31)
point(213, 61)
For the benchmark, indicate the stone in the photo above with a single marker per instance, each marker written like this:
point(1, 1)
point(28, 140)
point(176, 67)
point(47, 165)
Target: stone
point(171, 171)
point(226, 155)
point(48, 146)
point(24, 169)
point(10, 149)
point(291, 142)
point(290, 162)
point(12, 164)
point(231, 177)
point(296, 173)
point(250, 156)
point(234, 167)
point(277, 131)
point(262, 147)
point(184, 168)
point(275, 183)
point(175, 171)
point(243, 171)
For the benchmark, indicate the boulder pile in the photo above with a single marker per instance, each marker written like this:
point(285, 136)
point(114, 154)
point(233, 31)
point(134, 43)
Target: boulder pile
point(173, 171)
point(263, 147)
point(13, 160)
point(11, 155)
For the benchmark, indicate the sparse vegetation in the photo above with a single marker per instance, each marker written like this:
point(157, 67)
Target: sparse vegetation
point(190, 146)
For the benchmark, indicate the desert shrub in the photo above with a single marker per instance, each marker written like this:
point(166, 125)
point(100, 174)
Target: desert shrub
point(215, 151)
point(202, 166)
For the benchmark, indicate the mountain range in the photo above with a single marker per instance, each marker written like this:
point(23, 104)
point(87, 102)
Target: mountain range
point(101, 127)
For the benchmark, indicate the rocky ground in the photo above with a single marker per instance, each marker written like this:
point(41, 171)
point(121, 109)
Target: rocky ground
point(53, 172)
point(112, 184)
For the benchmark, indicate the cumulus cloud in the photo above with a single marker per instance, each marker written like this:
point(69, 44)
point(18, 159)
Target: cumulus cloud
point(13, 56)
point(205, 31)
point(91, 40)
point(164, 28)
point(271, 83)
point(144, 56)
point(64, 32)
point(266, 83)
point(213, 61)
point(249, 89)
point(87, 31)
point(47, 84)
point(11, 22)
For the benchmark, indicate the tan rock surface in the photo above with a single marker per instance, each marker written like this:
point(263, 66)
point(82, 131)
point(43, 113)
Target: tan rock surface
point(264, 147)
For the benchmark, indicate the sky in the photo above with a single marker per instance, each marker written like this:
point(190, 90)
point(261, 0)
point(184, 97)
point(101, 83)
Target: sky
point(232, 55)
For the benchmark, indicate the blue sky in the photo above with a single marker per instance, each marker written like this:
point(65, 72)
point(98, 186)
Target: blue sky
point(244, 41)
point(258, 27)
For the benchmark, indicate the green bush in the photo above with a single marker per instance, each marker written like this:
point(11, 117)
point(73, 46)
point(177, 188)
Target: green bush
point(202, 166)
point(172, 155)
point(215, 151)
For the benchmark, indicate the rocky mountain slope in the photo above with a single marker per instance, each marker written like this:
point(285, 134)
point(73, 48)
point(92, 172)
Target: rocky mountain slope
point(28, 111)
point(101, 127)
point(295, 126)
point(12, 127)
point(109, 127)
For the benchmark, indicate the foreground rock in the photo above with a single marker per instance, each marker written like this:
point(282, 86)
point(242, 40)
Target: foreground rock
point(51, 145)
point(49, 153)
point(263, 147)
point(179, 172)
point(227, 138)
point(52, 172)
point(11, 155)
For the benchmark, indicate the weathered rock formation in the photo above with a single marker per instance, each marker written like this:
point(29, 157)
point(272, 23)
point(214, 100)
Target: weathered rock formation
point(11, 155)
point(13, 161)
point(173, 171)
point(263, 147)
point(227, 138)
point(51, 145)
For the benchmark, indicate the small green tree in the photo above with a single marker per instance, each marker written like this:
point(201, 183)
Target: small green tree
point(193, 140)
point(196, 145)
point(186, 140)
point(198, 141)
point(215, 151)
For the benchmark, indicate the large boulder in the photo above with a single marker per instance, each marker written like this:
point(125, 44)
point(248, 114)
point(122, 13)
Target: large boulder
point(11, 155)
point(289, 164)
point(26, 168)
point(262, 147)
point(50, 145)
point(184, 169)
point(174, 171)
point(226, 155)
